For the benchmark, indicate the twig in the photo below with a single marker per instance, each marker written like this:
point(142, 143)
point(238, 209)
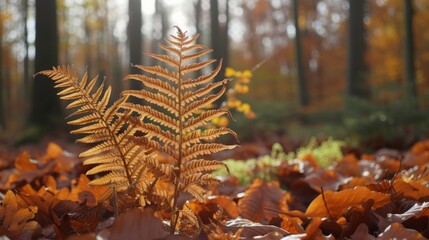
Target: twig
point(394, 176)
point(326, 204)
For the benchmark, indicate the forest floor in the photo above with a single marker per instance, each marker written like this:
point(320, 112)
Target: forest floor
point(382, 195)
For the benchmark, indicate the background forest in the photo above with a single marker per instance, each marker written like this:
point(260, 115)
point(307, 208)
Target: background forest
point(354, 70)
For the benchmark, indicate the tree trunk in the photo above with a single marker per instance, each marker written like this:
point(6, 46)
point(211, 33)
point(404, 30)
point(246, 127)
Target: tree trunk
point(46, 108)
point(26, 45)
point(302, 82)
point(135, 23)
point(219, 41)
point(197, 7)
point(409, 49)
point(2, 120)
point(356, 45)
point(214, 29)
point(225, 41)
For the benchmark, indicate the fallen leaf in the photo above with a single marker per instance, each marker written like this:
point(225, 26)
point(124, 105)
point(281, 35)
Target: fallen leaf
point(338, 202)
point(138, 224)
point(16, 222)
point(252, 229)
point(397, 231)
point(206, 210)
point(262, 201)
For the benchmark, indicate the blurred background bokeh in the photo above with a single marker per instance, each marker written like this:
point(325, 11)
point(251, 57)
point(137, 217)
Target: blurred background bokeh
point(349, 69)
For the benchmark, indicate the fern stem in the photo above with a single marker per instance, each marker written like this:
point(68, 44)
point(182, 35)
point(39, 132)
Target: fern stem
point(175, 216)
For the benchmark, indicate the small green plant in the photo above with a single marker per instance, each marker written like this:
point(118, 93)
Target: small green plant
point(326, 153)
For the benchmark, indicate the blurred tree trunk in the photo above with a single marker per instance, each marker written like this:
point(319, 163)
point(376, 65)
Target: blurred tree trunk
point(2, 86)
point(135, 23)
point(197, 7)
point(356, 47)
point(26, 60)
point(409, 49)
point(219, 41)
point(302, 82)
point(225, 41)
point(46, 108)
point(159, 29)
point(214, 29)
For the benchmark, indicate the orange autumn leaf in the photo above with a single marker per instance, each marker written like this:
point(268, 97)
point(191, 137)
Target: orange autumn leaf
point(262, 201)
point(206, 210)
point(291, 224)
point(52, 151)
point(23, 162)
point(82, 192)
point(420, 147)
point(16, 222)
point(412, 189)
point(339, 202)
point(27, 171)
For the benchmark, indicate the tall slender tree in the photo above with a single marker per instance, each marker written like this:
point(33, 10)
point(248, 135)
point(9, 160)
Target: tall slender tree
point(135, 40)
point(2, 120)
point(409, 49)
point(302, 82)
point(356, 47)
point(26, 46)
point(214, 28)
point(46, 108)
point(219, 40)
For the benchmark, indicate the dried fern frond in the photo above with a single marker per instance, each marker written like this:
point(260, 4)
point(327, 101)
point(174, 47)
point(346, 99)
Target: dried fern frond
point(175, 122)
point(103, 125)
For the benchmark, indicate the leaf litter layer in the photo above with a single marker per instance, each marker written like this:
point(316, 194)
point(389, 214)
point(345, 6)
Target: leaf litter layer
point(376, 196)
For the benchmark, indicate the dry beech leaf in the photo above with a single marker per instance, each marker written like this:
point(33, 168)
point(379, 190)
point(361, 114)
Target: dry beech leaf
point(413, 190)
point(27, 171)
point(252, 230)
point(52, 151)
point(339, 202)
point(291, 224)
point(313, 230)
point(16, 222)
point(420, 147)
point(206, 210)
point(397, 231)
point(263, 201)
point(414, 211)
point(328, 179)
point(72, 220)
point(139, 225)
point(362, 233)
point(23, 163)
point(83, 193)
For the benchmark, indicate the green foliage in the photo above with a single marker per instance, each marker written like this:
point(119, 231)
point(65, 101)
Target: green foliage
point(326, 153)
point(397, 124)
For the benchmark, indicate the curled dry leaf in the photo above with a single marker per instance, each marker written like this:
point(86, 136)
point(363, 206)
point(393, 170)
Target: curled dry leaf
point(334, 204)
point(291, 224)
point(414, 211)
point(262, 201)
point(252, 230)
point(16, 221)
point(397, 231)
point(206, 210)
